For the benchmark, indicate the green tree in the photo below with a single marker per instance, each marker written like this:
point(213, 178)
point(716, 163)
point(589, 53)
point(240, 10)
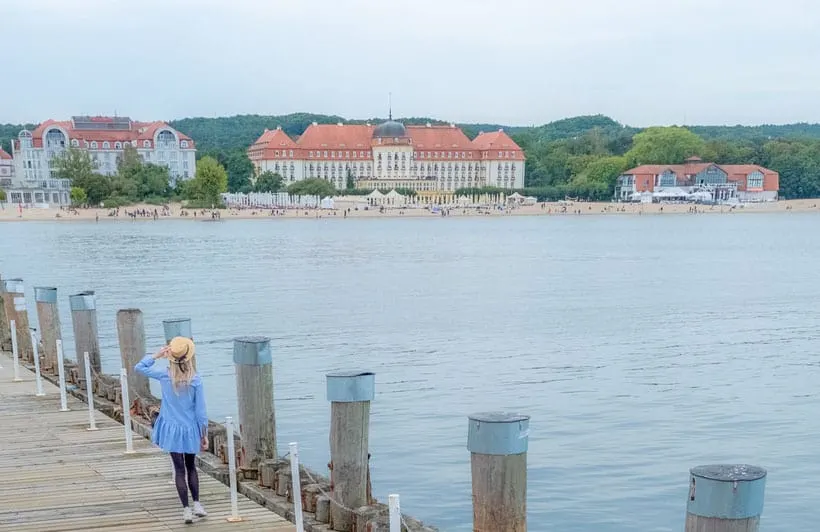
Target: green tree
point(78, 196)
point(97, 187)
point(2, 195)
point(239, 168)
point(312, 187)
point(73, 164)
point(350, 183)
point(268, 182)
point(605, 170)
point(664, 145)
point(210, 181)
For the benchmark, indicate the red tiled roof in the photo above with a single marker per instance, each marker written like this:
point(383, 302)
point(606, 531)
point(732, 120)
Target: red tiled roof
point(138, 131)
point(496, 140)
point(4, 155)
point(439, 137)
point(335, 136)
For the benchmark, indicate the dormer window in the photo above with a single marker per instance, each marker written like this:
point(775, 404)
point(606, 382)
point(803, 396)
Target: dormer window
point(146, 143)
point(183, 144)
point(75, 143)
point(118, 145)
point(93, 144)
point(106, 145)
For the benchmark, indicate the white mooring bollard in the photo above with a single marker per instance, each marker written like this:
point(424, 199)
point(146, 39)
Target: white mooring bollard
point(297, 487)
point(89, 390)
point(234, 517)
point(15, 352)
point(61, 376)
point(126, 412)
point(37, 377)
point(395, 513)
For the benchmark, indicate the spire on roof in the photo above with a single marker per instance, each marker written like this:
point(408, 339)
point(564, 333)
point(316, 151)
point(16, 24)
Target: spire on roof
point(390, 106)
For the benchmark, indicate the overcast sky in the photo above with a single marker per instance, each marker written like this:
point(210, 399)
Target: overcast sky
point(518, 62)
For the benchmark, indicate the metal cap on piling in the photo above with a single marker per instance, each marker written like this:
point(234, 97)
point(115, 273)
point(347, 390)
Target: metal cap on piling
point(45, 294)
point(351, 386)
point(726, 491)
point(498, 433)
point(13, 286)
point(252, 351)
point(83, 300)
point(177, 327)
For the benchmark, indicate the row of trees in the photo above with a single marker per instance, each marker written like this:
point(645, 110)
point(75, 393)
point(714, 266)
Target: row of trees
point(138, 181)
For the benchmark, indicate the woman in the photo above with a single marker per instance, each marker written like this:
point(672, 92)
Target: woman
point(182, 426)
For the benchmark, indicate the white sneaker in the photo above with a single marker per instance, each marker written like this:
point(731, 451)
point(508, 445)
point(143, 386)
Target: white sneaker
point(187, 515)
point(199, 511)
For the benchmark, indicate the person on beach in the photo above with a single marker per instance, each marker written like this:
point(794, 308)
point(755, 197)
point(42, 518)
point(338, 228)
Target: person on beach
point(181, 428)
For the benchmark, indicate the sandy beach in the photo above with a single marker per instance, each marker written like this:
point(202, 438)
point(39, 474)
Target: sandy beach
point(347, 209)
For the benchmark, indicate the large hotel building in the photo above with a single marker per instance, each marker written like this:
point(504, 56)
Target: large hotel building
point(424, 158)
point(104, 138)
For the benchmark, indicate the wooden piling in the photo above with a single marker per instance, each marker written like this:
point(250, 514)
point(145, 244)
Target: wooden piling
point(48, 316)
point(5, 333)
point(254, 395)
point(86, 339)
point(131, 335)
point(14, 299)
point(177, 327)
point(725, 498)
point(498, 443)
point(350, 394)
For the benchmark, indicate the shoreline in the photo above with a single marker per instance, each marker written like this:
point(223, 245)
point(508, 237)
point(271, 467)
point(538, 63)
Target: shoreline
point(11, 214)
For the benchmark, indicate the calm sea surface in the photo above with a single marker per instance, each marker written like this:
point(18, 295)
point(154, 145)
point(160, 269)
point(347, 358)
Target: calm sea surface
point(640, 346)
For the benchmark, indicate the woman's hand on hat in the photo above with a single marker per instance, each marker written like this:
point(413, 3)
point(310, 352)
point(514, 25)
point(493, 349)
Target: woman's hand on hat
point(162, 353)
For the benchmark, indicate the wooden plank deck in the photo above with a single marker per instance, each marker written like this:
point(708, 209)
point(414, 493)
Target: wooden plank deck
point(57, 476)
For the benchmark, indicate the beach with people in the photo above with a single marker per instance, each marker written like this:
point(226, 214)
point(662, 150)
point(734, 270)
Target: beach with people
point(346, 207)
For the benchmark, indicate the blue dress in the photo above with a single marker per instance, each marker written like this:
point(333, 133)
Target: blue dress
point(182, 417)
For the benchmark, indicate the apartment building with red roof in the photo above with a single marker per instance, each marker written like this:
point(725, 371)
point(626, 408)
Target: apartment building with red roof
point(104, 138)
point(425, 158)
point(696, 178)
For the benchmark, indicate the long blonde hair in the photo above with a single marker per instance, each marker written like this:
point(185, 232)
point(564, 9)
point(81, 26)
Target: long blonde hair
point(182, 372)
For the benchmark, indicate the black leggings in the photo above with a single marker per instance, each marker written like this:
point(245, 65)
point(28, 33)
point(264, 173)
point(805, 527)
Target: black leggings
point(185, 465)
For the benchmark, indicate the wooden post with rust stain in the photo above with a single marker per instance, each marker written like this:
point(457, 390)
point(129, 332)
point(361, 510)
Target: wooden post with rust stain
point(725, 498)
point(86, 339)
point(48, 316)
point(131, 335)
point(350, 394)
point(254, 397)
point(5, 333)
point(498, 444)
point(177, 327)
point(14, 299)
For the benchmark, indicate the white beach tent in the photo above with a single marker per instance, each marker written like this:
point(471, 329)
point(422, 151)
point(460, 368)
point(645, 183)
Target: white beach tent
point(670, 193)
point(700, 195)
point(515, 197)
point(463, 200)
point(327, 203)
point(395, 198)
point(375, 198)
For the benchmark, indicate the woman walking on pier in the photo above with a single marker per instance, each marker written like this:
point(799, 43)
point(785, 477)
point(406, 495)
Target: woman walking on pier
point(182, 426)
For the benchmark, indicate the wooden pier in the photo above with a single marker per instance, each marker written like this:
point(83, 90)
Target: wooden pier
point(55, 475)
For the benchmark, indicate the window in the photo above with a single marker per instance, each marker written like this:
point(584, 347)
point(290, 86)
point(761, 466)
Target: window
point(118, 145)
point(106, 145)
point(146, 143)
point(291, 153)
point(276, 154)
point(310, 154)
point(75, 143)
point(184, 144)
point(667, 179)
point(93, 144)
point(754, 180)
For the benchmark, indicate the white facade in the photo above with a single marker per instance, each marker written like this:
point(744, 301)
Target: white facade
point(105, 139)
point(422, 158)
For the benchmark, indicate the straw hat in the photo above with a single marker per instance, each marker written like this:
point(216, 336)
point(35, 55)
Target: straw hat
point(181, 349)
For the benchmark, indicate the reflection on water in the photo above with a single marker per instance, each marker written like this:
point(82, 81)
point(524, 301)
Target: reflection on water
point(640, 346)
